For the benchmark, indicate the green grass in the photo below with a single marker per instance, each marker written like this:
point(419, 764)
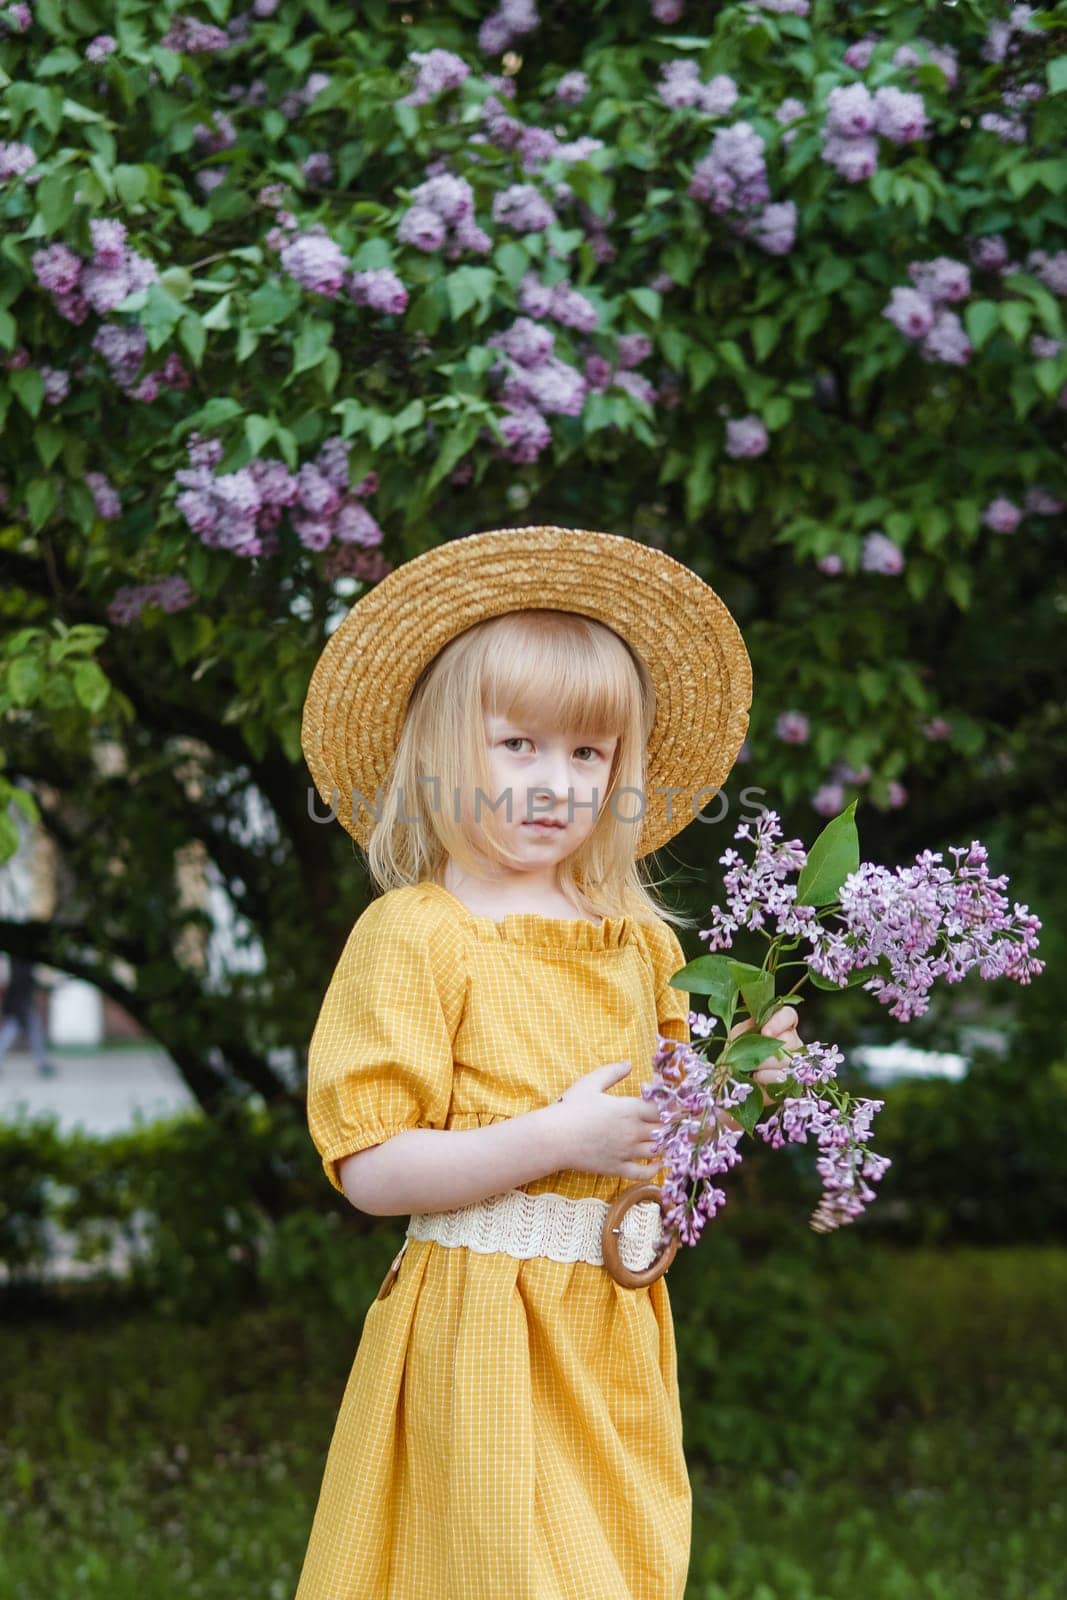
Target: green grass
point(140, 1457)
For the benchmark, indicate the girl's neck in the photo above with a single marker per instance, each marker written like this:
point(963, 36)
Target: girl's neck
point(508, 896)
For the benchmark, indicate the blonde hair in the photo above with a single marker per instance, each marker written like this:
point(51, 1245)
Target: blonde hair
point(514, 665)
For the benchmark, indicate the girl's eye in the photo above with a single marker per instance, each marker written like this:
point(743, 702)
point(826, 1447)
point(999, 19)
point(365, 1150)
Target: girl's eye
point(518, 738)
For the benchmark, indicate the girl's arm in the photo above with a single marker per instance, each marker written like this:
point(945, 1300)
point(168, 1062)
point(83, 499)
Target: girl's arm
point(438, 1169)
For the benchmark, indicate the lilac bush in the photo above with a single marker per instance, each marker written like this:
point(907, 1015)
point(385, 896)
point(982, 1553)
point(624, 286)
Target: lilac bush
point(286, 301)
point(840, 923)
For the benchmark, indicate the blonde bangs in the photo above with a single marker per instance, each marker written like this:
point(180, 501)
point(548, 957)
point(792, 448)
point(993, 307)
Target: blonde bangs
point(575, 665)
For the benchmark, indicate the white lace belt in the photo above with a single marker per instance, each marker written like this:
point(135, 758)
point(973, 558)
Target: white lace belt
point(547, 1224)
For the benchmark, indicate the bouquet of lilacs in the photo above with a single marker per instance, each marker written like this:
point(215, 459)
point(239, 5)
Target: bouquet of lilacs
point(835, 922)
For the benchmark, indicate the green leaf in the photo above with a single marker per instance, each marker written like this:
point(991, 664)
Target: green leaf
point(191, 334)
point(1056, 72)
point(55, 199)
point(91, 686)
point(24, 680)
point(835, 853)
point(218, 318)
point(1016, 318)
point(310, 345)
point(980, 318)
point(756, 986)
point(28, 387)
point(258, 430)
point(958, 584)
point(650, 301)
point(271, 304)
point(41, 497)
point(710, 976)
point(48, 440)
point(468, 287)
point(749, 1110)
point(750, 1050)
point(854, 979)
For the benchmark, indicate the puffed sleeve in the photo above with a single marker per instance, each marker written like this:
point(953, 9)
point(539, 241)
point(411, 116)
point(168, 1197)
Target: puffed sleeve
point(380, 1057)
point(667, 956)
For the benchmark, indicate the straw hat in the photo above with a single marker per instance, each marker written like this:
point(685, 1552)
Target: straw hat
point(687, 639)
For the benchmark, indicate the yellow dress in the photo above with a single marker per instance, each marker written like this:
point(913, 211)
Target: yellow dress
point(510, 1429)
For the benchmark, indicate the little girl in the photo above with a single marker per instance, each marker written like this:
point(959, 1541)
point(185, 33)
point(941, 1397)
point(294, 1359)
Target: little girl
point(508, 724)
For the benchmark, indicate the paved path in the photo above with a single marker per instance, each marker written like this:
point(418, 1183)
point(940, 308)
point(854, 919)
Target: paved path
point(99, 1091)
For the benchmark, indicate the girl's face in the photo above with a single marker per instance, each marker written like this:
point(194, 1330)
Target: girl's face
point(548, 773)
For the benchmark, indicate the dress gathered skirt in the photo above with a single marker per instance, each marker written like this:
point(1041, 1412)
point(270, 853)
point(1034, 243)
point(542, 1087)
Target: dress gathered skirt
point(510, 1428)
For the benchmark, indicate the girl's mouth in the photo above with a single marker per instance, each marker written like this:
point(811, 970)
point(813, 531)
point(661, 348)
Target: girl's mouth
point(544, 825)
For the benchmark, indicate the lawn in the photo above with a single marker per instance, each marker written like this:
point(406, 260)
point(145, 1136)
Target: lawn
point(145, 1457)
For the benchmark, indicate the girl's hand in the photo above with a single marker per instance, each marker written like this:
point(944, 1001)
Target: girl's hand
point(605, 1132)
point(782, 1025)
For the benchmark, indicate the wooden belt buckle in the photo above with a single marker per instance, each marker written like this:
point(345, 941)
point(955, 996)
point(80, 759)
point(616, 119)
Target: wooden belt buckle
point(609, 1243)
point(390, 1277)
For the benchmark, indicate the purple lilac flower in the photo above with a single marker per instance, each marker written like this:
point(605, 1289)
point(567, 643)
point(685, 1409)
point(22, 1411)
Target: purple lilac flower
point(572, 88)
point(832, 565)
point(858, 55)
point(854, 158)
point(880, 554)
point(758, 895)
point(437, 72)
point(1042, 502)
point(16, 158)
point(127, 603)
point(1002, 515)
point(943, 278)
point(1051, 269)
point(508, 22)
point(733, 174)
point(680, 87)
point(928, 922)
point(899, 116)
point(989, 253)
point(99, 48)
point(378, 288)
point(190, 37)
point(316, 261)
point(746, 436)
point(792, 727)
point(947, 340)
point(943, 56)
point(239, 511)
point(523, 208)
point(15, 19)
point(105, 496)
point(829, 799)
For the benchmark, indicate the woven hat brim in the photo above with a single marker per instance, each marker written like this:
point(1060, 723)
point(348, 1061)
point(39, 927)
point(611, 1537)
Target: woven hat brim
point(693, 649)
